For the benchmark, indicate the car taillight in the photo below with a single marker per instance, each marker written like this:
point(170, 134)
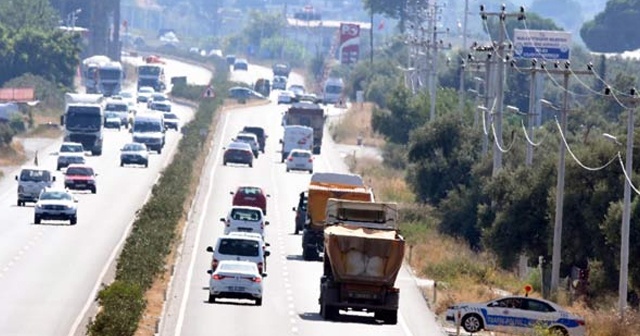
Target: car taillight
point(581, 322)
point(214, 264)
point(260, 266)
point(310, 159)
point(262, 225)
point(218, 277)
point(290, 159)
point(255, 279)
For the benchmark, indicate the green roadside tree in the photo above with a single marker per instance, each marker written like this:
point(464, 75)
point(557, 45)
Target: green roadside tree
point(614, 29)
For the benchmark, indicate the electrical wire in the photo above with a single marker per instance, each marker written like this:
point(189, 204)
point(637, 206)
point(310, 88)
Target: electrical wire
point(566, 145)
point(495, 137)
point(529, 140)
point(626, 175)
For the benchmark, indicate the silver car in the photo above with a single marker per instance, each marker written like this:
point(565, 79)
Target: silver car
point(70, 153)
point(56, 204)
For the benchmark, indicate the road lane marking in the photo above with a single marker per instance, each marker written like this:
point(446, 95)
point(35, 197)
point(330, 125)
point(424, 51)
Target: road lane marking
point(192, 262)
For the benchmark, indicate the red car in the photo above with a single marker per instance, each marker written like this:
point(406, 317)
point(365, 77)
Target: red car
point(80, 177)
point(251, 196)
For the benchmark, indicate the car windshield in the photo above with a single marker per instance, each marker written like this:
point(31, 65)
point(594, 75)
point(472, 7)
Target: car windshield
point(117, 107)
point(81, 171)
point(239, 247)
point(109, 115)
point(126, 94)
point(159, 98)
point(29, 175)
point(71, 148)
point(110, 74)
point(146, 70)
point(147, 126)
point(83, 118)
point(132, 147)
point(237, 267)
point(333, 89)
point(55, 195)
point(146, 90)
point(170, 116)
point(245, 214)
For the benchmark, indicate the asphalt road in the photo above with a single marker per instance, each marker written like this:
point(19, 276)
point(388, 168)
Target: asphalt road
point(290, 305)
point(50, 273)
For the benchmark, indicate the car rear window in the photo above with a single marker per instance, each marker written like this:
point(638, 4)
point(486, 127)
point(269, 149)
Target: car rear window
point(82, 171)
point(245, 214)
point(35, 175)
point(239, 247)
point(300, 154)
point(251, 191)
point(235, 267)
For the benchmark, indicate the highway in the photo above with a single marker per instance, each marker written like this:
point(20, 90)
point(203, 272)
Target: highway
point(290, 303)
point(50, 273)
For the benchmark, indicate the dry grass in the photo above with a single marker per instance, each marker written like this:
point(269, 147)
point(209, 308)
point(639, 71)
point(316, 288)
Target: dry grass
point(12, 155)
point(387, 183)
point(356, 122)
point(47, 126)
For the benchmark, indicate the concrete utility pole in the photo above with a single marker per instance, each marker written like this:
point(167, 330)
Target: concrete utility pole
point(500, 63)
point(433, 46)
point(623, 283)
point(489, 91)
point(464, 48)
point(557, 229)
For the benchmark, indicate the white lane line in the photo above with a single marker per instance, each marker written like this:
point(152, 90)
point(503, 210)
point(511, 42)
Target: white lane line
point(294, 330)
point(403, 325)
point(192, 262)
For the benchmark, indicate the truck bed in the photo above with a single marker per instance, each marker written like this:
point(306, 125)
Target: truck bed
point(366, 256)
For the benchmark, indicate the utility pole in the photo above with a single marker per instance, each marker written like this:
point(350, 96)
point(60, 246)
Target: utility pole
point(489, 90)
point(464, 48)
point(433, 45)
point(623, 283)
point(557, 229)
point(500, 63)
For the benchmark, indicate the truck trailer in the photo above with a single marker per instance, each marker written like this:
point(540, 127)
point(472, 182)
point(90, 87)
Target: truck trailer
point(363, 256)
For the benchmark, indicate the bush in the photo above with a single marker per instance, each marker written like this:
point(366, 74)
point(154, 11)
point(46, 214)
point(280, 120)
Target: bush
point(123, 304)
point(6, 134)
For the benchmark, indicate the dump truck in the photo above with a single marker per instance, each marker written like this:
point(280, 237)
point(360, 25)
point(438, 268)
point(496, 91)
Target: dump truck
point(322, 187)
point(363, 256)
point(310, 115)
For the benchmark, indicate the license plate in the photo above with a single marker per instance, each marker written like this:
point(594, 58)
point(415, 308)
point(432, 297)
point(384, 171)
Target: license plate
point(250, 198)
point(299, 165)
point(245, 229)
point(236, 289)
point(80, 185)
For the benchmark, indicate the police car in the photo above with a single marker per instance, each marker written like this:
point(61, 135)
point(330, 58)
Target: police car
point(516, 314)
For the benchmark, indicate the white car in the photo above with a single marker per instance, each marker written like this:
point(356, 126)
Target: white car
point(239, 248)
point(144, 94)
point(70, 153)
point(112, 120)
point(157, 97)
point(251, 139)
point(516, 314)
point(286, 97)
point(119, 107)
point(134, 153)
point(164, 106)
point(131, 98)
point(236, 280)
point(300, 159)
point(56, 204)
point(244, 219)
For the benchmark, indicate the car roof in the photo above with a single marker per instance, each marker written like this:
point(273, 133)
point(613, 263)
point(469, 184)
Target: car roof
point(245, 234)
point(247, 134)
point(134, 143)
point(299, 150)
point(244, 207)
point(259, 240)
point(237, 262)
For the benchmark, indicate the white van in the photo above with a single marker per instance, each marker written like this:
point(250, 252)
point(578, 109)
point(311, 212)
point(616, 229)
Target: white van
point(239, 248)
point(149, 129)
point(296, 137)
point(244, 219)
point(332, 90)
point(31, 182)
point(119, 107)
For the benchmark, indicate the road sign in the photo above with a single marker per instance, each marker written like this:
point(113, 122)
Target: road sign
point(208, 92)
point(542, 44)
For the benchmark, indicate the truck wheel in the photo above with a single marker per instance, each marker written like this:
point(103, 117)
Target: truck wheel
point(305, 254)
point(329, 313)
point(388, 316)
point(96, 152)
point(296, 231)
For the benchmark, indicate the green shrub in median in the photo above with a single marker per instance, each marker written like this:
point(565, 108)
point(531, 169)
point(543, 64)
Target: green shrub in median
point(143, 256)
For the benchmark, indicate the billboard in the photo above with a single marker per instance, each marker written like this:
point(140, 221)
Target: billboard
point(19, 95)
point(349, 51)
point(542, 44)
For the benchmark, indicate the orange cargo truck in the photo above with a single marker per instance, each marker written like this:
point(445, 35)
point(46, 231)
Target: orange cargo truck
point(363, 253)
point(322, 187)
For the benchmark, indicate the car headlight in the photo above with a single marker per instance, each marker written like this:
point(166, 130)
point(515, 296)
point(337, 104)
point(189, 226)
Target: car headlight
point(39, 206)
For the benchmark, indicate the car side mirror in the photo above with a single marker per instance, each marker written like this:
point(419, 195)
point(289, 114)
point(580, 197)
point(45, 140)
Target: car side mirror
point(75, 200)
point(280, 141)
point(223, 148)
point(267, 253)
point(268, 195)
point(223, 220)
point(62, 120)
point(52, 179)
point(209, 272)
point(96, 174)
point(266, 222)
point(209, 249)
point(267, 244)
point(264, 275)
point(16, 177)
point(231, 193)
point(294, 209)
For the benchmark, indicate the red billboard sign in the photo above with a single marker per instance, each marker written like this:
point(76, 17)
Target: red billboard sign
point(18, 95)
point(349, 43)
